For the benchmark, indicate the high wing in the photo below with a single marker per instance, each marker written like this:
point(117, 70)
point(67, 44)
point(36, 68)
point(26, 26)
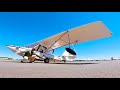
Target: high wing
point(91, 31)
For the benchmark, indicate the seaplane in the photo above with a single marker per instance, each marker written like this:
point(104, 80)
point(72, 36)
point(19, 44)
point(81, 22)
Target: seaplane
point(43, 50)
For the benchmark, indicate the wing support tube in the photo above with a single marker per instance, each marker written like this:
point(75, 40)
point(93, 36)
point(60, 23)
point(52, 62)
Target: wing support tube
point(57, 40)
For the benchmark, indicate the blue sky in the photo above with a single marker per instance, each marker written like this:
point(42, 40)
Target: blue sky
point(23, 28)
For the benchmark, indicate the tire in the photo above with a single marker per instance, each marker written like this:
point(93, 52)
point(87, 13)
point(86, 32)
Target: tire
point(46, 60)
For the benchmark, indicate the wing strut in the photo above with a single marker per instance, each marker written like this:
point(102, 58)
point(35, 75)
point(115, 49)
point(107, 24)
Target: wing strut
point(38, 47)
point(69, 39)
point(57, 40)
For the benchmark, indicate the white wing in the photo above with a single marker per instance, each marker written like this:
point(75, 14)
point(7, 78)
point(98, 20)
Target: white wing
point(92, 31)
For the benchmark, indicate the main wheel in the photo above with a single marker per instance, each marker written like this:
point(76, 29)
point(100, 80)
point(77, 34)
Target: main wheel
point(46, 60)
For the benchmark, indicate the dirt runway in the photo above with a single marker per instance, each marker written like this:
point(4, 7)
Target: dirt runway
point(83, 69)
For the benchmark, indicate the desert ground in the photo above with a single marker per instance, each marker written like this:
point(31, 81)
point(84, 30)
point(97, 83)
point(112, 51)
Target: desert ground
point(39, 69)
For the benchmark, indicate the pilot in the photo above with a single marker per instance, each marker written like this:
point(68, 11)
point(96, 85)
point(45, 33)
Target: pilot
point(29, 55)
